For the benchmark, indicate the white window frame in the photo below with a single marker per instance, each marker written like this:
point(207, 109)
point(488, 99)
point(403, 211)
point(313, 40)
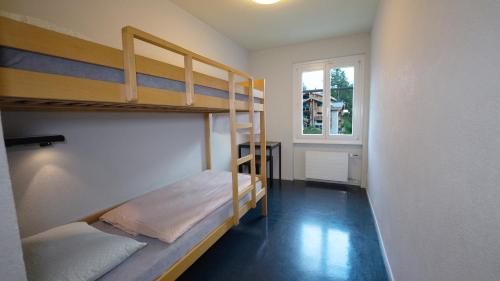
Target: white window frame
point(357, 61)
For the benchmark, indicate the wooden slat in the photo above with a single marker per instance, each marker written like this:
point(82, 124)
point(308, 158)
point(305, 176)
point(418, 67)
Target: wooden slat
point(186, 261)
point(34, 85)
point(260, 85)
point(258, 107)
point(129, 67)
point(261, 194)
point(263, 151)
point(245, 208)
point(251, 137)
point(258, 93)
point(244, 125)
point(188, 68)
point(14, 104)
point(247, 189)
point(244, 159)
point(234, 152)
point(208, 140)
point(248, 205)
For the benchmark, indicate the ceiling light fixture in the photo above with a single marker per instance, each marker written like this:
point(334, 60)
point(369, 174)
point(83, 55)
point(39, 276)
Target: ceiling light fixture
point(266, 2)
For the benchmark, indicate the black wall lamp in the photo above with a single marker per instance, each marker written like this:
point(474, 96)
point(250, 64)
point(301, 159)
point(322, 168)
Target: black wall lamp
point(41, 140)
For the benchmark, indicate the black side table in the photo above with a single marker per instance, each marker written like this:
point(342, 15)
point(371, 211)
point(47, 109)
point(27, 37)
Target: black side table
point(270, 146)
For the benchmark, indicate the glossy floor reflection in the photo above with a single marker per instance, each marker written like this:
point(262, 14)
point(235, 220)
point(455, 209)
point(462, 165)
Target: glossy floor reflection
point(314, 231)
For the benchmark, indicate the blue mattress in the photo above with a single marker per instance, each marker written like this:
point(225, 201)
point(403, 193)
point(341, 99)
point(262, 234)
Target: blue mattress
point(30, 61)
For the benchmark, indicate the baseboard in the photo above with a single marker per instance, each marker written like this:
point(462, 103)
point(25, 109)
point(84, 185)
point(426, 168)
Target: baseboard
point(381, 241)
point(350, 182)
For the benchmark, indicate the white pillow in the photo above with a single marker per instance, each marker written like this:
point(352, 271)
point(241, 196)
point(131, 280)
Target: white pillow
point(75, 252)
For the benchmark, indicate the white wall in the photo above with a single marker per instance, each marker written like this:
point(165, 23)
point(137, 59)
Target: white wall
point(276, 66)
point(11, 257)
point(112, 157)
point(434, 153)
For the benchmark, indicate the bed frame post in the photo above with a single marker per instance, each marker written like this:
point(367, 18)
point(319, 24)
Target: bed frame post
point(234, 153)
point(251, 135)
point(188, 73)
point(261, 85)
point(129, 66)
point(208, 140)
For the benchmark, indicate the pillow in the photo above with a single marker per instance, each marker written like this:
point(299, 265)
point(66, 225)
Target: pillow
point(75, 252)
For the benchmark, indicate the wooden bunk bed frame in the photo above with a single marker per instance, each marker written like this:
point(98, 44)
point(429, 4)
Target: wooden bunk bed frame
point(31, 90)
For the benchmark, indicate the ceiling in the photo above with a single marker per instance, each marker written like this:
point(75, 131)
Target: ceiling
point(258, 27)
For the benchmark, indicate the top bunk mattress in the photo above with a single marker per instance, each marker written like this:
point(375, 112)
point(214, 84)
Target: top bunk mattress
point(31, 61)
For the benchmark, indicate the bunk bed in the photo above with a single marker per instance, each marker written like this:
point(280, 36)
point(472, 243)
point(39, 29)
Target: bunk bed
point(45, 70)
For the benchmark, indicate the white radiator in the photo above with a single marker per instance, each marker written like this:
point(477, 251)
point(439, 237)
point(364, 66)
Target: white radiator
point(328, 166)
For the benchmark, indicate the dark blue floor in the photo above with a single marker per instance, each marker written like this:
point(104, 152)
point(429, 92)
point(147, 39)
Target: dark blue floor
point(314, 231)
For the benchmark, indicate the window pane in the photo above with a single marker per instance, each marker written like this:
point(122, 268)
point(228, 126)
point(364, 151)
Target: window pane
point(312, 102)
point(341, 91)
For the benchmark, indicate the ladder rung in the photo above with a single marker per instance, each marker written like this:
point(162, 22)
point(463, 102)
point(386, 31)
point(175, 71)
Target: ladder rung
point(244, 125)
point(246, 190)
point(244, 159)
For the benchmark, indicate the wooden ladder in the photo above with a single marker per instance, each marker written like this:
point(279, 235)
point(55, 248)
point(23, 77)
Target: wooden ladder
point(235, 161)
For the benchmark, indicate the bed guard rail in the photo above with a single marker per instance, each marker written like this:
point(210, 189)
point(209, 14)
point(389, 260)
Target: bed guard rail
point(130, 33)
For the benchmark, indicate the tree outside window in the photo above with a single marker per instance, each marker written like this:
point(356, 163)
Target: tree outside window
point(341, 91)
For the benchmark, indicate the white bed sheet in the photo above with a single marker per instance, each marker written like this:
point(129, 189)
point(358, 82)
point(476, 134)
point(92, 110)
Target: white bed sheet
point(170, 211)
point(154, 259)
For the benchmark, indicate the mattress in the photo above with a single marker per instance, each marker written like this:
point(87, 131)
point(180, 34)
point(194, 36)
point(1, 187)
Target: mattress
point(31, 61)
point(154, 259)
point(167, 212)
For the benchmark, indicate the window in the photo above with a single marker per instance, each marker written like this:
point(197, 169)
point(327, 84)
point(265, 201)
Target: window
point(328, 97)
